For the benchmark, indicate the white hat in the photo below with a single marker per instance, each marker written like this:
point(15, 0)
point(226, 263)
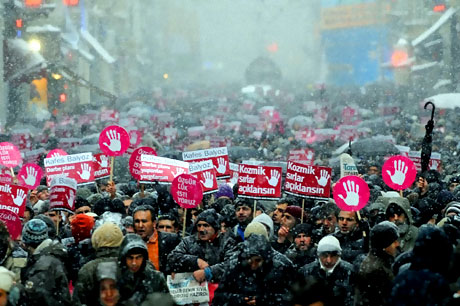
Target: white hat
point(329, 244)
point(6, 279)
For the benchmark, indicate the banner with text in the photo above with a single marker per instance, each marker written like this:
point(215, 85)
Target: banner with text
point(302, 155)
point(184, 289)
point(259, 182)
point(13, 198)
point(204, 171)
point(307, 181)
point(63, 192)
point(434, 164)
point(161, 169)
point(219, 157)
point(79, 167)
point(101, 166)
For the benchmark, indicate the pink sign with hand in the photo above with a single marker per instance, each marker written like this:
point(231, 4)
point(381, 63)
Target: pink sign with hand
point(56, 153)
point(9, 155)
point(351, 193)
point(186, 191)
point(114, 140)
point(399, 172)
point(12, 222)
point(30, 175)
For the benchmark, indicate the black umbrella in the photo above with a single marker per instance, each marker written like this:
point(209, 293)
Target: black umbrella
point(373, 147)
point(237, 152)
point(426, 144)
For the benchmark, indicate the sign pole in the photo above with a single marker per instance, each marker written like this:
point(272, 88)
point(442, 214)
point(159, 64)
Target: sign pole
point(303, 208)
point(57, 225)
point(112, 161)
point(401, 193)
point(185, 220)
point(255, 207)
point(142, 191)
point(359, 218)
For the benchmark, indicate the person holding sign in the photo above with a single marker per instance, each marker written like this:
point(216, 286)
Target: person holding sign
point(204, 252)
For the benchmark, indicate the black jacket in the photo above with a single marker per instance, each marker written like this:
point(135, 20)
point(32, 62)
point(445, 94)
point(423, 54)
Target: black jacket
point(44, 277)
point(269, 284)
point(167, 243)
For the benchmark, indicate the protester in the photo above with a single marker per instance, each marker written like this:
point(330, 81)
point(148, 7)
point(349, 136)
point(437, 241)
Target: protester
point(302, 251)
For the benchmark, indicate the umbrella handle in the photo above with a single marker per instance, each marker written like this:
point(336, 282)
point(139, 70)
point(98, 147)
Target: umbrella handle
point(432, 111)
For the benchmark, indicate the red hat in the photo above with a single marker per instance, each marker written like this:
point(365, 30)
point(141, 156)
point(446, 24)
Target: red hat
point(295, 211)
point(81, 227)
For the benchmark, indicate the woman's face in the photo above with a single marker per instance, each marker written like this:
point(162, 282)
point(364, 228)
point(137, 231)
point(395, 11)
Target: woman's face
point(109, 294)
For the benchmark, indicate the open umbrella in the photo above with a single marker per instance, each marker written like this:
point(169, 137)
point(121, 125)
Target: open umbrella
point(447, 100)
point(238, 152)
point(372, 147)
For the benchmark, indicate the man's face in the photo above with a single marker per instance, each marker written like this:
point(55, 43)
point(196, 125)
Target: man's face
point(452, 186)
point(27, 216)
point(398, 219)
point(166, 226)
point(329, 224)
point(127, 203)
point(392, 249)
point(255, 262)
point(83, 210)
point(347, 222)
point(373, 170)
point(134, 262)
point(43, 195)
point(143, 224)
point(244, 214)
point(109, 293)
point(302, 242)
point(288, 221)
point(278, 213)
point(205, 231)
point(54, 215)
point(329, 259)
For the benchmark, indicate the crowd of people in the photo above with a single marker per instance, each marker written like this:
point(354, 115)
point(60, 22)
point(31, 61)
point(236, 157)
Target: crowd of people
point(121, 242)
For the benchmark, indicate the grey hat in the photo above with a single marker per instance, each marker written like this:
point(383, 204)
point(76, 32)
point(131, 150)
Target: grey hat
point(329, 244)
point(34, 232)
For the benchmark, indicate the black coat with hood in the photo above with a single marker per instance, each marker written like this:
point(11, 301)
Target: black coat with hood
point(135, 287)
point(269, 285)
point(185, 256)
point(44, 277)
point(407, 232)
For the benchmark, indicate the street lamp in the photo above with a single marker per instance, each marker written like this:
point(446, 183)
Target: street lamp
point(34, 45)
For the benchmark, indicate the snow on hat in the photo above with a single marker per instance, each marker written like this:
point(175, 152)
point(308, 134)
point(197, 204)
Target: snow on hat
point(383, 235)
point(34, 232)
point(303, 228)
point(107, 270)
point(329, 244)
point(81, 227)
point(255, 228)
point(107, 235)
point(267, 221)
point(6, 279)
point(211, 217)
point(454, 207)
point(224, 191)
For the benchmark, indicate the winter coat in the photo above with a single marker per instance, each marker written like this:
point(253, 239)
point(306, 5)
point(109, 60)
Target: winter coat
point(79, 254)
point(301, 258)
point(86, 290)
point(185, 256)
point(374, 279)
point(44, 277)
point(135, 287)
point(270, 284)
point(352, 244)
point(408, 235)
point(167, 243)
point(341, 280)
point(15, 260)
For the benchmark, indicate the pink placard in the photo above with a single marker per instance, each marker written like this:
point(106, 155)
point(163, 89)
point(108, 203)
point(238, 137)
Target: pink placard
point(219, 157)
point(101, 166)
point(9, 155)
point(12, 222)
point(186, 191)
point(56, 153)
point(351, 193)
point(63, 193)
point(30, 175)
point(399, 172)
point(13, 198)
point(259, 182)
point(307, 181)
point(135, 160)
point(161, 169)
point(79, 167)
point(114, 140)
point(135, 138)
point(204, 171)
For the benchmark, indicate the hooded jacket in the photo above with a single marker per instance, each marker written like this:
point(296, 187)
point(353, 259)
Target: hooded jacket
point(407, 233)
point(134, 287)
point(269, 284)
point(12, 256)
point(44, 277)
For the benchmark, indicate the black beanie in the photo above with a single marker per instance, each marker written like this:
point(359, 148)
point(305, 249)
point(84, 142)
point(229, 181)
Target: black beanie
point(304, 228)
point(211, 217)
point(383, 235)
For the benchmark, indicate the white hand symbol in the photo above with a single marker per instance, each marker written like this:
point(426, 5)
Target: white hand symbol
point(322, 181)
point(275, 177)
point(234, 179)
point(400, 172)
point(20, 196)
point(70, 199)
point(115, 144)
point(222, 163)
point(208, 180)
point(434, 165)
point(85, 172)
point(352, 192)
point(55, 155)
point(31, 176)
point(179, 172)
point(104, 163)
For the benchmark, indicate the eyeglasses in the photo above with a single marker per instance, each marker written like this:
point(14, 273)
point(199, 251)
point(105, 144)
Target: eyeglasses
point(348, 219)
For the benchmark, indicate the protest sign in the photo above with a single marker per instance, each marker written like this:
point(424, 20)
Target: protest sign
point(77, 166)
point(160, 169)
point(186, 191)
point(233, 174)
point(347, 165)
point(101, 166)
point(399, 172)
point(307, 181)
point(259, 182)
point(30, 175)
point(219, 157)
point(56, 153)
point(302, 155)
point(63, 193)
point(114, 140)
point(12, 222)
point(204, 171)
point(9, 155)
point(135, 160)
point(351, 193)
point(184, 289)
point(13, 198)
point(434, 164)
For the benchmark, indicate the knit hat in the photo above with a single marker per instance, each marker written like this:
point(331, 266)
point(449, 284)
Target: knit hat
point(81, 227)
point(106, 270)
point(329, 244)
point(224, 191)
point(303, 228)
point(383, 235)
point(267, 221)
point(295, 211)
point(255, 228)
point(41, 188)
point(107, 235)
point(34, 232)
point(6, 279)
point(49, 222)
point(453, 207)
point(211, 217)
